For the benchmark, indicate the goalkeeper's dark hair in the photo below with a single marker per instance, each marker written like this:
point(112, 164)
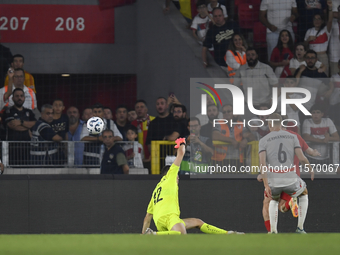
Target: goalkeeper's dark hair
point(165, 170)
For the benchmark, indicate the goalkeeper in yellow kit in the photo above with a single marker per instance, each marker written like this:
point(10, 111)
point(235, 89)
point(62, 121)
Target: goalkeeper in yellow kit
point(164, 207)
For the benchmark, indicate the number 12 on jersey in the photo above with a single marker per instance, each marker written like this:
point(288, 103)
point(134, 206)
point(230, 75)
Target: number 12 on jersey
point(156, 196)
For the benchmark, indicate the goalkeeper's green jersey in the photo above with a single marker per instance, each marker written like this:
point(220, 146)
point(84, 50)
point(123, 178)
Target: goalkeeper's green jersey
point(164, 198)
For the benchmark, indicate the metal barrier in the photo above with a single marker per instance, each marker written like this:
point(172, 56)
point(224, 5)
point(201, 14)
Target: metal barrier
point(70, 154)
point(161, 149)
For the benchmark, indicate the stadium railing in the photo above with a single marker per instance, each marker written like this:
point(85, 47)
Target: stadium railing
point(65, 154)
point(162, 151)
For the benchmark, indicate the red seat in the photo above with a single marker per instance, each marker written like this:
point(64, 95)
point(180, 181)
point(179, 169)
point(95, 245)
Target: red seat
point(248, 14)
point(260, 34)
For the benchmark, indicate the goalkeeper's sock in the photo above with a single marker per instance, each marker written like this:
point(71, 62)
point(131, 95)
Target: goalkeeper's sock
point(267, 224)
point(172, 232)
point(209, 229)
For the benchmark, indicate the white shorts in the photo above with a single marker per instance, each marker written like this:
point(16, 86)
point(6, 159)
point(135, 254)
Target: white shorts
point(294, 190)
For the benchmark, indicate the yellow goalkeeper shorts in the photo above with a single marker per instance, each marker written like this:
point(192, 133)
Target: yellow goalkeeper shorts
point(165, 223)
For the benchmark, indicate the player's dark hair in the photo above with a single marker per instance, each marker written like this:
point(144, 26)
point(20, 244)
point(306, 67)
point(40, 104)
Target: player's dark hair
point(98, 106)
point(194, 119)
point(107, 108)
point(132, 128)
point(339, 62)
point(311, 52)
point(184, 109)
point(165, 170)
point(18, 89)
point(18, 56)
point(121, 106)
point(141, 101)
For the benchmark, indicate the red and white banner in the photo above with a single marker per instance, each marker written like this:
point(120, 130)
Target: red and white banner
point(33, 23)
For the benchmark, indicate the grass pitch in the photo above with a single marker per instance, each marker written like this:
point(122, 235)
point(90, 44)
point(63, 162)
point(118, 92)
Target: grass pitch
point(253, 244)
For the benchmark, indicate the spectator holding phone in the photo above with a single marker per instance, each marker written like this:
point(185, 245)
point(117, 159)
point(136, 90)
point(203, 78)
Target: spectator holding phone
point(282, 53)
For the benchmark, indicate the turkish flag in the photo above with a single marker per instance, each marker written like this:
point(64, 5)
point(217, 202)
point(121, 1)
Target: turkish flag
point(108, 4)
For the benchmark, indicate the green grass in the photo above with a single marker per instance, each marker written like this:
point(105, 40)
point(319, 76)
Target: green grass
point(190, 244)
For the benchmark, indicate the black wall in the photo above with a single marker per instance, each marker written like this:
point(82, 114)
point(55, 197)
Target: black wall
point(102, 204)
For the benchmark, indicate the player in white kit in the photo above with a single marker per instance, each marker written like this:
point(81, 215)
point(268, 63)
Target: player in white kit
point(276, 152)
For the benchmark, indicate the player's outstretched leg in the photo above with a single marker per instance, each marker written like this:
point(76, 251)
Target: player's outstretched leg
point(206, 228)
point(273, 215)
point(303, 207)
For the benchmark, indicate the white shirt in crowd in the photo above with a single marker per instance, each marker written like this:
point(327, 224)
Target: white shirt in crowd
point(201, 25)
point(318, 131)
point(30, 98)
point(137, 160)
point(321, 42)
point(335, 97)
point(278, 12)
point(218, 5)
point(334, 43)
point(294, 63)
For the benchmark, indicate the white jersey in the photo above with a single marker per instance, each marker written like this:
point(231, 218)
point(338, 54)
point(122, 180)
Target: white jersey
point(137, 160)
point(280, 150)
point(200, 25)
point(318, 131)
point(334, 43)
point(320, 44)
point(335, 97)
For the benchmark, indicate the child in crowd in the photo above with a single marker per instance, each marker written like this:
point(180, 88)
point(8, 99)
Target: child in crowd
point(200, 23)
point(134, 154)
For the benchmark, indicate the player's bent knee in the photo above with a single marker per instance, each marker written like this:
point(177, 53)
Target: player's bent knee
point(305, 192)
point(180, 228)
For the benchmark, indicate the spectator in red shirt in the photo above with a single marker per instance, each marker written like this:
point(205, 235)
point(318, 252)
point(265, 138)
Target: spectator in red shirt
point(282, 53)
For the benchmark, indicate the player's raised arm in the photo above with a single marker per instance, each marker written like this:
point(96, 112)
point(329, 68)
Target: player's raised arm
point(180, 152)
point(146, 222)
point(304, 161)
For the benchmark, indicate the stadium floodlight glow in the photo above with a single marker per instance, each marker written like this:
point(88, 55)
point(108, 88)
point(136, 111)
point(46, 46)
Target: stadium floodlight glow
point(65, 75)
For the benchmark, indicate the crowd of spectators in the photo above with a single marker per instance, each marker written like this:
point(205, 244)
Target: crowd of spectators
point(304, 58)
